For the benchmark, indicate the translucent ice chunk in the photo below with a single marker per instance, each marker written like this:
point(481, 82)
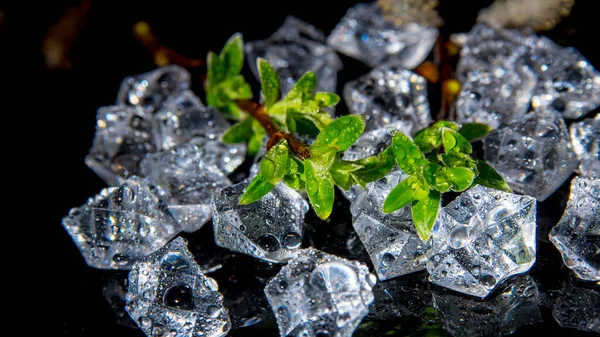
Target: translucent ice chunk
point(120, 225)
point(186, 178)
point(389, 94)
point(185, 118)
point(514, 306)
point(585, 136)
point(390, 239)
point(150, 91)
point(295, 48)
point(169, 296)
point(317, 294)
point(123, 137)
point(270, 228)
point(482, 238)
point(577, 234)
point(364, 35)
point(534, 154)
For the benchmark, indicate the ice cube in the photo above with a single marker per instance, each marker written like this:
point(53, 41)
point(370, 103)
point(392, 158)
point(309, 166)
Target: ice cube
point(270, 228)
point(534, 154)
point(169, 296)
point(365, 35)
point(577, 234)
point(120, 225)
point(482, 238)
point(317, 294)
point(585, 136)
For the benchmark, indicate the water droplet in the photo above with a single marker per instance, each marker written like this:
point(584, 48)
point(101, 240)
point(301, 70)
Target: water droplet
point(387, 259)
point(268, 243)
point(488, 281)
point(120, 259)
point(334, 277)
point(574, 222)
point(213, 311)
point(145, 322)
point(323, 333)
point(180, 297)
point(292, 240)
point(476, 270)
point(243, 228)
point(188, 326)
point(497, 214)
point(174, 261)
point(282, 286)
point(459, 237)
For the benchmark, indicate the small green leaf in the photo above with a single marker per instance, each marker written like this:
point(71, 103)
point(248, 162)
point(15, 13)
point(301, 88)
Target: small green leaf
point(436, 177)
point(374, 168)
point(304, 125)
point(258, 188)
point(408, 155)
point(320, 188)
point(455, 142)
point(294, 181)
point(326, 99)
point(461, 177)
point(474, 131)
point(400, 196)
point(445, 124)
point(322, 155)
point(239, 132)
point(236, 88)
point(269, 82)
point(232, 55)
point(274, 166)
point(424, 214)
point(489, 177)
point(342, 132)
point(304, 86)
point(256, 141)
point(341, 171)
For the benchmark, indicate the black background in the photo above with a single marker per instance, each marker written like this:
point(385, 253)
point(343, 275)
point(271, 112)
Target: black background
point(55, 120)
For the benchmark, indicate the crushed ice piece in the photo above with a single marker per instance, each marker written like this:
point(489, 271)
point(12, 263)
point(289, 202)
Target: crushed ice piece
point(585, 136)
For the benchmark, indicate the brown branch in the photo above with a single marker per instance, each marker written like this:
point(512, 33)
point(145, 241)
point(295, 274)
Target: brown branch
point(258, 112)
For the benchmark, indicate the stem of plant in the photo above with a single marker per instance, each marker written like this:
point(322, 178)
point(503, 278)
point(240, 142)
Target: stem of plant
point(257, 111)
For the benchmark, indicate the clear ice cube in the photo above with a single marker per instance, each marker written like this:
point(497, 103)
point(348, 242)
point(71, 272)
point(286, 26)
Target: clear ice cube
point(169, 296)
point(534, 154)
point(577, 234)
point(585, 136)
point(295, 48)
point(482, 238)
point(512, 307)
point(186, 177)
point(270, 229)
point(150, 91)
point(389, 94)
point(578, 306)
point(120, 225)
point(123, 137)
point(390, 239)
point(365, 35)
point(317, 294)
point(185, 118)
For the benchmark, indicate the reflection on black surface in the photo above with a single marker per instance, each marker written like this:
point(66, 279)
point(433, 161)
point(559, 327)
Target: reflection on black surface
point(578, 305)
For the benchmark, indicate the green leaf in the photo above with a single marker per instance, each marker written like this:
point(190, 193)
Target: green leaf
point(216, 70)
point(375, 167)
point(408, 155)
point(256, 141)
point(400, 196)
point(342, 132)
point(430, 138)
point(294, 181)
point(474, 131)
point(304, 86)
point(320, 188)
point(236, 88)
point(461, 177)
point(232, 55)
point(341, 171)
point(258, 188)
point(269, 82)
point(304, 126)
point(275, 165)
point(322, 155)
point(239, 132)
point(455, 142)
point(326, 99)
point(489, 177)
point(436, 177)
point(424, 214)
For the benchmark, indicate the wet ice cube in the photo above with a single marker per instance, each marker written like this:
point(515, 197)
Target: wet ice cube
point(510, 308)
point(123, 137)
point(295, 48)
point(578, 306)
point(150, 91)
point(390, 239)
point(585, 136)
point(577, 234)
point(120, 224)
point(270, 229)
point(186, 177)
point(534, 154)
point(317, 294)
point(185, 118)
point(389, 94)
point(365, 35)
point(169, 296)
point(496, 97)
point(482, 238)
